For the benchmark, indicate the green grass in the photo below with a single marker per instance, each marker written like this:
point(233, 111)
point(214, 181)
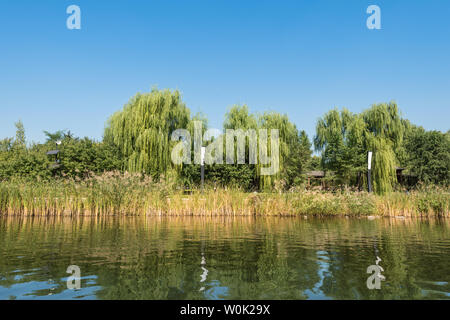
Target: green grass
point(126, 194)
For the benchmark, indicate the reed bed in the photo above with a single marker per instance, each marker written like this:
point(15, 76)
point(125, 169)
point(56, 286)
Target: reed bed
point(127, 194)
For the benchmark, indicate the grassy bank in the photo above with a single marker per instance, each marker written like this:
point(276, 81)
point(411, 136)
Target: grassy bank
point(125, 194)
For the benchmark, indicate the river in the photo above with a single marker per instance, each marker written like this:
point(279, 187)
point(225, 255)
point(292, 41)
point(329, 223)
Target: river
point(223, 258)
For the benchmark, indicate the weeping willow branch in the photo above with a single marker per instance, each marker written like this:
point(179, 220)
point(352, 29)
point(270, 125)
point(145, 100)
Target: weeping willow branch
point(142, 130)
point(345, 138)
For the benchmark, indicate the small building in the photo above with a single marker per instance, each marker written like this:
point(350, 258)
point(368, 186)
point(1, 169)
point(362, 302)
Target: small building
point(317, 176)
point(405, 179)
point(56, 164)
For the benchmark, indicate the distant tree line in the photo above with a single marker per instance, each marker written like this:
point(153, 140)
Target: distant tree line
point(138, 139)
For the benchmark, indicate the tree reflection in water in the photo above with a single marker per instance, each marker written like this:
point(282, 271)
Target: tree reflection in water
point(223, 258)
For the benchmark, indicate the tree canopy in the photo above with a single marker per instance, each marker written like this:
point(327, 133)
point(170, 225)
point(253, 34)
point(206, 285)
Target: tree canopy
point(345, 139)
point(138, 139)
point(428, 155)
point(142, 130)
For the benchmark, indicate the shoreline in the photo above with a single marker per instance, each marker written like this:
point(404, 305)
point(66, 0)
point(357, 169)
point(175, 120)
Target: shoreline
point(76, 200)
point(127, 194)
point(227, 216)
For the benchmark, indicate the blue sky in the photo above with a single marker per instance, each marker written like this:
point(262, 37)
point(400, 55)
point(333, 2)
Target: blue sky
point(296, 57)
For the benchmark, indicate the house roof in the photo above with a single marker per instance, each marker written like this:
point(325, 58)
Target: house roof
point(317, 174)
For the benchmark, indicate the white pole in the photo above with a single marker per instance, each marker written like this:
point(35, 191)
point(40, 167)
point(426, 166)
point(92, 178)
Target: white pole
point(202, 162)
point(202, 156)
point(369, 175)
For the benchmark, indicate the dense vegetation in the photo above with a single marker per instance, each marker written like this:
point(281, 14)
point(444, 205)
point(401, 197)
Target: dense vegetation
point(137, 140)
point(114, 193)
point(345, 139)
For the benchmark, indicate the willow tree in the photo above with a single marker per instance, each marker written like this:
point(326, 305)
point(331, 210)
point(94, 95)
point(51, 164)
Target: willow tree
point(294, 149)
point(142, 130)
point(290, 143)
point(244, 176)
point(339, 136)
point(383, 136)
point(345, 138)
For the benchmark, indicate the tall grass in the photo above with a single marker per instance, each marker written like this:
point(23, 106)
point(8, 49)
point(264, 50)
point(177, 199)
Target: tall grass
point(133, 194)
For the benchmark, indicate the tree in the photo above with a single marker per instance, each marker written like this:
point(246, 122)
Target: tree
point(82, 157)
point(383, 136)
point(236, 175)
point(54, 137)
point(315, 163)
point(297, 161)
point(428, 155)
point(294, 151)
point(20, 140)
point(142, 130)
point(339, 137)
point(345, 139)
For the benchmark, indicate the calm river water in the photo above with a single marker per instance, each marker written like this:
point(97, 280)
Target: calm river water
point(223, 258)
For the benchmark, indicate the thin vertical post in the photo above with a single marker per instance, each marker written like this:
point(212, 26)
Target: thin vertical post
point(369, 171)
point(203, 175)
point(202, 171)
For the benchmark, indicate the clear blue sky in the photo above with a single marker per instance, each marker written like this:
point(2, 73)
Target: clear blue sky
point(296, 57)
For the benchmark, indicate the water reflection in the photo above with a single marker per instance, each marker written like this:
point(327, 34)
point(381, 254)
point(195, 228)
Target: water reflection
point(223, 258)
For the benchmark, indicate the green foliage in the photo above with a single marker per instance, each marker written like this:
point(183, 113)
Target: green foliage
point(83, 157)
point(297, 161)
point(56, 136)
point(142, 130)
point(384, 135)
point(290, 149)
point(339, 137)
point(239, 117)
point(345, 139)
point(138, 139)
point(315, 163)
point(20, 141)
point(78, 158)
point(16, 159)
point(21, 162)
point(433, 200)
point(294, 151)
point(243, 176)
point(428, 155)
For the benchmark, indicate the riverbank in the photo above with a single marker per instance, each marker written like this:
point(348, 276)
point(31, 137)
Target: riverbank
point(132, 195)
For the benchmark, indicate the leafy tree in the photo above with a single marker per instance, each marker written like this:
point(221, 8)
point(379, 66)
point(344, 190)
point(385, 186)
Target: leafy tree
point(6, 144)
point(242, 176)
point(20, 140)
point(238, 175)
point(295, 151)
point(339, 137)
point(142, 130)
point(16, 160)
point(78, 157)
point(56, 136)
point(428, 155)
point(315, 163)
point(297, 162)
point(82, 157)
point(383, 136)
point(345, 138)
